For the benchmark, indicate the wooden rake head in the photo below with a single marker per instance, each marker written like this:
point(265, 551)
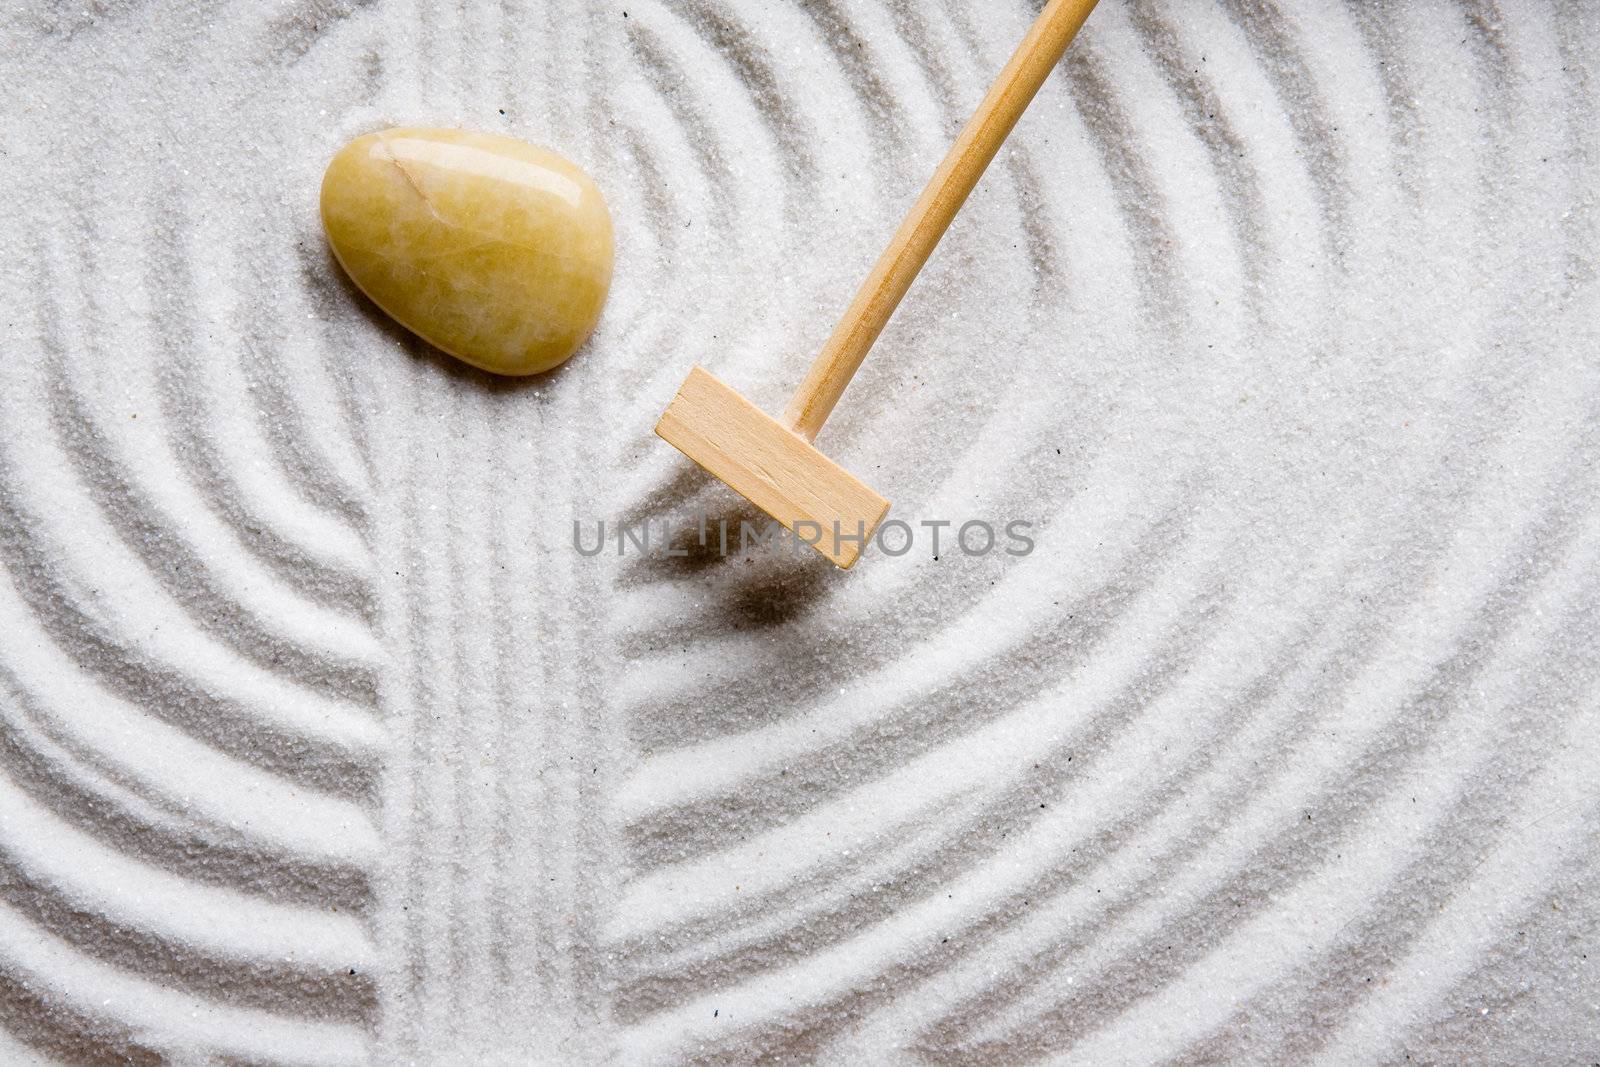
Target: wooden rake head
point(773, 467)
point(773, 464)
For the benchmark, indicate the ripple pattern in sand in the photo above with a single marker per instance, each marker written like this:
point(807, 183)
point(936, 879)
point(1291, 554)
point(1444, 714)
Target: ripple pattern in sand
point(320, 744)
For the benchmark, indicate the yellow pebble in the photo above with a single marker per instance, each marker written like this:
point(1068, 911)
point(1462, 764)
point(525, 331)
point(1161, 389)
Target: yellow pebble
point(492, 249)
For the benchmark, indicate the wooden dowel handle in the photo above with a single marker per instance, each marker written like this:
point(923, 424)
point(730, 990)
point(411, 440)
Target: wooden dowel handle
point(963, 165)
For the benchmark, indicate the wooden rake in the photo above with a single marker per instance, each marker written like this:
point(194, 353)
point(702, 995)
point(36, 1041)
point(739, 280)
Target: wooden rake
point(773, 463)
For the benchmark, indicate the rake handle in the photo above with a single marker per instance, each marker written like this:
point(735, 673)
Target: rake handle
point(918, 235)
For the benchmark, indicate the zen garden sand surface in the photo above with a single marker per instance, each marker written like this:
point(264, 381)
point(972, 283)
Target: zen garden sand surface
point(320, 742)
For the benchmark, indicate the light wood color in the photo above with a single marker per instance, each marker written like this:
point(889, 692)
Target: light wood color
point(963, 165)
point(772, 463)
point(783, 475)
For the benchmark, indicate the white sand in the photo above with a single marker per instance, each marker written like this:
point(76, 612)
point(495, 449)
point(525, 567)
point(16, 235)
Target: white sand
point(320, 744)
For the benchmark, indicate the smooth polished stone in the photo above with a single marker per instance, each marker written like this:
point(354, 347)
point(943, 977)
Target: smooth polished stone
point(492, 249)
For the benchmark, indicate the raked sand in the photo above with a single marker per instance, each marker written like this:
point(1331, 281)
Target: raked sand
point(320, 743)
